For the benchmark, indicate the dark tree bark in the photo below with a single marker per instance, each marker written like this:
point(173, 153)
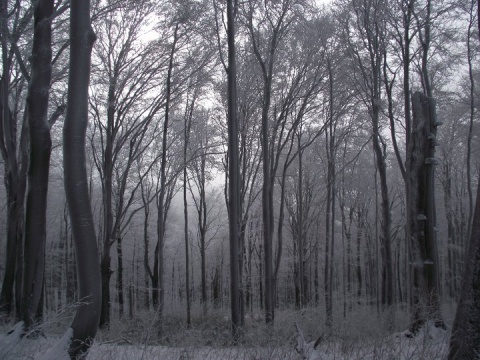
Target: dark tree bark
point(145, 194)
point(39, 164)
point(472, 99)
point(421, 211)
point(85, 322)
point(371, 19)
point(358, 263)
point(465, 338)
point(120, 278)
point(330, 210)
point(186, 133)
point(159, 266)
point(234, 176)
point(127, 132)
point(15, 177)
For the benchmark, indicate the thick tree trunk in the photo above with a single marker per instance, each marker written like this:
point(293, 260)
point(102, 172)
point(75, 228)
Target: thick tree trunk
point(465, 339)
point(6, 297)
point(85, 322)
point(14, 178)
point(421, 212)
point(39, 164)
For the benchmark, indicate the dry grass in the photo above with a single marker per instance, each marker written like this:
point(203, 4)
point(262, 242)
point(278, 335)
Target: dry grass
point(362, 335)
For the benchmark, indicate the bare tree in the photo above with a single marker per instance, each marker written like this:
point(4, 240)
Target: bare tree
point(14, 153)
point(366, 52)
point(125, 132)
point(421, 208)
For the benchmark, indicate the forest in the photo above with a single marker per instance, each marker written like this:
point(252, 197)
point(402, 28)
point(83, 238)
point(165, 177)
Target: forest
point(255, 179)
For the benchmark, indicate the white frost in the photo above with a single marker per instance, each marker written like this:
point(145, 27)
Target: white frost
point(8, 343)
point(59, 351)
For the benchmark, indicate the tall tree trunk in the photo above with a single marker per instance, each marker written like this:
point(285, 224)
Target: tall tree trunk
point(14, 179)
point(328, 267)
point(146, 243)
point(107, 190)
point(120, 277)
point(330, 211)
point(39, 164)
point(202, 222)
point(421, 211)
point(358, 265)
point(159, 266)
point(234, 176)
point(472, 116)
point(465, 338)
point(187, 125)
point(85, 322)
point(300, 230)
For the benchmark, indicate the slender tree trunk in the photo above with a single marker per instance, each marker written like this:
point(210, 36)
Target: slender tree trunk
point(106, 272)
point(202, 221)
point(328, 267)
point(120, 277)
point(329, 215)
point(358, 267)
point(316, 271)
point(159, 250)
point(472, 116)
point(107, 189)
point(146, 244)
point(300, 231)
point(234, 175)
point(187, 125)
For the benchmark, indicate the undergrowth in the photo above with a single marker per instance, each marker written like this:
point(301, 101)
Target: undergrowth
point(364, 333)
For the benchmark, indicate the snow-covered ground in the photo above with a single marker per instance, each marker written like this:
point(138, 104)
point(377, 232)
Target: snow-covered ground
point(430, 343)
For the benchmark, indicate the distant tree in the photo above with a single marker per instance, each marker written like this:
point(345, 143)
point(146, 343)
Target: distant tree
point(202, 145)
point(365, 30)
point(123, 109)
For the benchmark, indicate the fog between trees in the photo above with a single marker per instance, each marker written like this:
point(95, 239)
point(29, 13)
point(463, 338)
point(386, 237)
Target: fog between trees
point(240, 157)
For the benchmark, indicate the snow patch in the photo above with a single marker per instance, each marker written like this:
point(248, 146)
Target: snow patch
point(59, 351)
point(8, 343)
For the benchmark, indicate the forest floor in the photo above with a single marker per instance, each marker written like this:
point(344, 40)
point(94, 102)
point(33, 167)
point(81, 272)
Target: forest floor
point(362, 335)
